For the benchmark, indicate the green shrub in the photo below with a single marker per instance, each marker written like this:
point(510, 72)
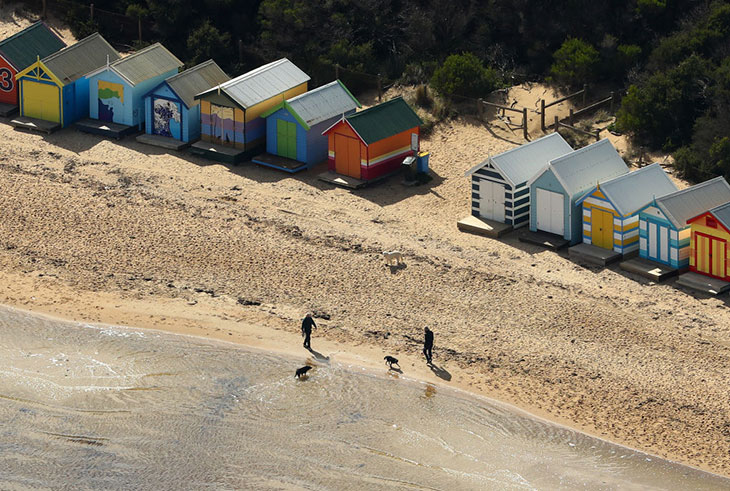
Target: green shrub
point(575, 63)
point(464, 75)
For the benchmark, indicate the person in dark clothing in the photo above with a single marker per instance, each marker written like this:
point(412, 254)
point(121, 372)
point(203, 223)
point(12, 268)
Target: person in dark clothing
point(428, 344)
point(307, 324)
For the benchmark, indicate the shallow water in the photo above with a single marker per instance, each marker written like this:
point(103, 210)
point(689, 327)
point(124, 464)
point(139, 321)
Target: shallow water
point(115, 408)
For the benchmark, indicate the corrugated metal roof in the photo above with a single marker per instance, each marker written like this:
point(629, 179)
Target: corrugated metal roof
point(196, 80)
point(688, 203)
point(634, 190)
point(522, 163)
point(25, 47)
point(323, 103)
point(384, 120)
point(722, 213)
point(152, 61)
point(583, 168)
point(77, 60)
point(262, 83)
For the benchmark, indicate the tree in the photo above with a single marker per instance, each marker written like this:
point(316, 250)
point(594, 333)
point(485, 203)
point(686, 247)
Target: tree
point(207, 42)
point(464, 75)
point(575, 62)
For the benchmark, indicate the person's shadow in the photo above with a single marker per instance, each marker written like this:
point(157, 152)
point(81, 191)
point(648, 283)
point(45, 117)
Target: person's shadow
point(440, 372)
point(319, 356)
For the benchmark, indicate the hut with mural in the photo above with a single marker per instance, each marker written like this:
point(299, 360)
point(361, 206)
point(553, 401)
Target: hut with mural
point(18, 52)
point(294, 139)
point(54, 91)
point(171, 112)
point(117, 90)
point(230, 113)
point(611, 208)
point(371, 144)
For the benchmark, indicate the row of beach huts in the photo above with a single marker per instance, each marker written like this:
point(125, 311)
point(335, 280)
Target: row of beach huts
point(267, 115)
point(588, 199)
point(584, 198)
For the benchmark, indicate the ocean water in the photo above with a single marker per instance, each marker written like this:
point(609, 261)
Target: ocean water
point(96, 407)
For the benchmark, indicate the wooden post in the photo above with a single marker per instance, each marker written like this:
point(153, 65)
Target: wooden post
point(91, 12)
point(557, 122)
point(337, 71)
point(585, 91)
point(240, 50)
point(139, 27)
point(380, 89)
point(613, 98)
point(43, 11)
point(570, 118)
point(524, 122)
point(542, 115)
point(480, 109)
point(598, 135)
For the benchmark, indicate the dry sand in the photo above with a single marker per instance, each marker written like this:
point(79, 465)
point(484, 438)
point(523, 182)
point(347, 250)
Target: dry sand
point(123, 233)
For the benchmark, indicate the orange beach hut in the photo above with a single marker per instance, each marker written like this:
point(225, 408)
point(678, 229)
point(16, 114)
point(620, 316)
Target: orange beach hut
point(372, 143)
point(710, 235)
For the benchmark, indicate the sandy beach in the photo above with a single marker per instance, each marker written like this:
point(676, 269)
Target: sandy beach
point(127, 234)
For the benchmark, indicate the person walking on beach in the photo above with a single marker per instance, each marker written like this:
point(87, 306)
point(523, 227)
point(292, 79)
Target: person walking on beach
point(428, 344)
point(307, 324)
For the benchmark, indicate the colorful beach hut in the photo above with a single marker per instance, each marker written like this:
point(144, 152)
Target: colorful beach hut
point(294, 139)
point(611, 208)
point(18, 52)
point(555, 190)
point(372, 143)
point(171, 111)
point(55, 88)
point(709, 238)
point(664, 235)
point(230, 113)
point(499, 190)
point(117, 90)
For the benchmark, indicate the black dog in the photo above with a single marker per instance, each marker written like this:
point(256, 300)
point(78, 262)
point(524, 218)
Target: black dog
point(390, 361)
point(302, 372)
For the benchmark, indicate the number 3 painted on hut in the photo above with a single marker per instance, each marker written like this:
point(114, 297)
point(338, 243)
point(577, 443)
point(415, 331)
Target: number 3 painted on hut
point(6, 80)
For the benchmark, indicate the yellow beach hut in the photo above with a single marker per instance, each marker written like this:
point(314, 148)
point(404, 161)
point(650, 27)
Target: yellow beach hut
point(710, 235)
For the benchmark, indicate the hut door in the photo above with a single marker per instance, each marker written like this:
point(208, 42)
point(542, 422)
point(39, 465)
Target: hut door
point(491, 200)
point(602, 228)
point(286, 139)
point(347, 155)
point(41, 101)
point(550, 211)
point(710, 255)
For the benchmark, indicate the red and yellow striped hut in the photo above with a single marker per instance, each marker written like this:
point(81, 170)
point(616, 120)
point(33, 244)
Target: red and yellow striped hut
point(710, 235)
point(372, 143)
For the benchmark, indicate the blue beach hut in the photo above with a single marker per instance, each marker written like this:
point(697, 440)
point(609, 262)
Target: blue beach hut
point(116, 90)
point(171, 111)
point(664, 234)
point(555, 190)
point(294, 139)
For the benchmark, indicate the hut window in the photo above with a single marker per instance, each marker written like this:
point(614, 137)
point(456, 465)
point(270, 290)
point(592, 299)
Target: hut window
point(711, 222)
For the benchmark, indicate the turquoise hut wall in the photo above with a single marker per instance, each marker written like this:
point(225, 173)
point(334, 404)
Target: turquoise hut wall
point(572, 220)
point(671, 248)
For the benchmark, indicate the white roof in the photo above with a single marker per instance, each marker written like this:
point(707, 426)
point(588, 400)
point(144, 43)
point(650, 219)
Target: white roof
point(520, 164)
point(688, 203)
point(634, 190)
point(262, 83)
point(583, 168)
point(323, 103)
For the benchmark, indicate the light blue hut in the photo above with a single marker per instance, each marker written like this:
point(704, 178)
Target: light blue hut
point(555, 190)
point(664, 234)
point(172, 115)
point(294, 139)
point(117, 90)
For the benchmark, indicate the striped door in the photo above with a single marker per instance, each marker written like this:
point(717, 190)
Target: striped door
point(710, 255)
point(658, 242)
point(601, 228)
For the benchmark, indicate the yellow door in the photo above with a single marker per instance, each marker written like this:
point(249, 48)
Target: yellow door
point(602, 228)
point(718, 258)
point(710, 256)
point(41, 101)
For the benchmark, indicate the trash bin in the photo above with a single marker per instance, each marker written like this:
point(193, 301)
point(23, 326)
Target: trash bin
point(422, 163)
point(409, 164)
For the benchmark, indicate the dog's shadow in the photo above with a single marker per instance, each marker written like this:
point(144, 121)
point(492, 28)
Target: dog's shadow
point(319, 356)
point(440, 372)
point(396, 370)
point(394, 268)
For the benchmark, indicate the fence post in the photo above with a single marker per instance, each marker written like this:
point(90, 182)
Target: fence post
point(570, 118)
point(542, 115)
point(337, 71)
point(380, 89)
point(585, 90)
point(524, 122)
point(139, 27)
point(557, 123)
point(43, 11)
point(480, 109)
point(598, 135)
point(91, 12)
point(240, 50)
point(613, 98)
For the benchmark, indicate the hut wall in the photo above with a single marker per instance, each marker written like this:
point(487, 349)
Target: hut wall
point(8, 86)
point(254, 130)
point(40, 94)
point(709, 251)
point(650, 244)
point(385, 156)
point(572, 217)
point(623, 235)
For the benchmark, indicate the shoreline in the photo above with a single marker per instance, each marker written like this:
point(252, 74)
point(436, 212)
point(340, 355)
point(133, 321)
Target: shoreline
point(278, 339)
point(367, 367)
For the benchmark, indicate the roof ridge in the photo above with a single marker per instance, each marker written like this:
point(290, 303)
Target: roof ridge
point(583, 149)
point(719, 207)
point(192, 69)
point(137, 53)
point(544, 137)
point(255, 71)
point(310, 92)
point(634, 173)
point(68, 49)
point(378, 106)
